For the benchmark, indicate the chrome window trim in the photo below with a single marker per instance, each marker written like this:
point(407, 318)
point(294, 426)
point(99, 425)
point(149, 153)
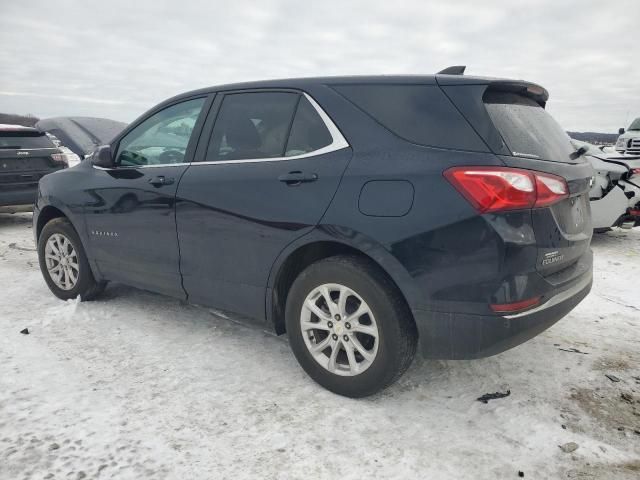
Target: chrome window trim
point(143, 166)
point(338, 142)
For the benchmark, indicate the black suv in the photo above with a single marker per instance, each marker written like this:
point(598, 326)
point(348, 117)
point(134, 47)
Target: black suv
point(26, 155)
point(360, 215)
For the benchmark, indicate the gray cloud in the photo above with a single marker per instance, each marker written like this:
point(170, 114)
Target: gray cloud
point(118, 58)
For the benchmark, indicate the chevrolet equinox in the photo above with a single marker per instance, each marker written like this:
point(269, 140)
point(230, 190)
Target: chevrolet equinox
point(363, 216)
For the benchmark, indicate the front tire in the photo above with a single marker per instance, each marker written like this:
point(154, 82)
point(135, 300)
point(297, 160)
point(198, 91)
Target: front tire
point(349, 327)
point(64, 264)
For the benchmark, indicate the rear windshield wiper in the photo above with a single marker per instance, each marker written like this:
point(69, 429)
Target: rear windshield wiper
point(578, 153)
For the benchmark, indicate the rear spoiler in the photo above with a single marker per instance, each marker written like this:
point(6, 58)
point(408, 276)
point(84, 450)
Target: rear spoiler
point(454, 75)
point(527, 89)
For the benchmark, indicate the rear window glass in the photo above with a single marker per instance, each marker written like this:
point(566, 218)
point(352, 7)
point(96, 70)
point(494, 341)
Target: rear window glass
point(14, 140)
point(527, 128)
point(421, 114)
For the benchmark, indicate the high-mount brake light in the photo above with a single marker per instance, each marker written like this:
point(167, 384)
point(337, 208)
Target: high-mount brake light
point(495, 189)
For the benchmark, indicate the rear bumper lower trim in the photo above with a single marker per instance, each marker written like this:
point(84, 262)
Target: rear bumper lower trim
point(555, 300)
point(463, 336)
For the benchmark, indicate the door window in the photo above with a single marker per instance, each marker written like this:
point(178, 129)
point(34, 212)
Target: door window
point(162, 139)
point(308, 132)
point(252, 125)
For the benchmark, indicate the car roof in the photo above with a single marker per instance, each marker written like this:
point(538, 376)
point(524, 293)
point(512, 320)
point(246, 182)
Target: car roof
point(307, 82)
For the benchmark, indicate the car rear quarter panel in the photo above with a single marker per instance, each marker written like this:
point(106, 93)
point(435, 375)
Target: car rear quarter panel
point(441, 253)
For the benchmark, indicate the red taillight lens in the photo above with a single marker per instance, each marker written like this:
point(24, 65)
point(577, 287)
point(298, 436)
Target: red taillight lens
point(493, 189)
point(59, 158)
point(549, 189)
point(515, 306)
point(635, 171)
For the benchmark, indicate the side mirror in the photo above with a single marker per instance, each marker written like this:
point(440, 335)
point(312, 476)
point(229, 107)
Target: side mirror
point(102, 157)
point(620, 131)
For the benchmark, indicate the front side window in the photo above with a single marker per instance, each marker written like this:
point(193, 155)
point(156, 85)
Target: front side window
point(162, 138)
point(252, 125)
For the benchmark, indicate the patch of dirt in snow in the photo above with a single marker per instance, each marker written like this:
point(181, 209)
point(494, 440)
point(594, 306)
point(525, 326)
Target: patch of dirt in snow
point(617, 364)
point(612, 409)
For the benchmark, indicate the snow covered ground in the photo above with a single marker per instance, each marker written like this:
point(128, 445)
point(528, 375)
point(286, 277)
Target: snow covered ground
point(137, 386)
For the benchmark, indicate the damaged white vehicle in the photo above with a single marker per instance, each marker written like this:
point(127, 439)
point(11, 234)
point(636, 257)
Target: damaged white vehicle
point(615, 192)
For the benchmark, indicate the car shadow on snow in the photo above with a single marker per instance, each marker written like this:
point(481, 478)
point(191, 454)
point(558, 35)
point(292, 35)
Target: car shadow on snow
point(13, 219)
point(426, 380)
point(615, 237)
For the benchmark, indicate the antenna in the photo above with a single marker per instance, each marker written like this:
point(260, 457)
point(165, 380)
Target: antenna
point(454, 70)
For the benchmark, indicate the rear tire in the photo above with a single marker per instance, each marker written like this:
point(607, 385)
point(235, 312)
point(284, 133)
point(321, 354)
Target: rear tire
point(360, 343)
point(64, 264)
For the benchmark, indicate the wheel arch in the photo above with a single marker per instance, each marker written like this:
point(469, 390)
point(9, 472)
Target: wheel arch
point(297, 257)
point(47, 214)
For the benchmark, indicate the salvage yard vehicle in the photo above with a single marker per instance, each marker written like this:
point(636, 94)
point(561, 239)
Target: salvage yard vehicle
point(615, 193)
point(363, 216)
point(26, 155)
point(628, 142)
point(80, 136)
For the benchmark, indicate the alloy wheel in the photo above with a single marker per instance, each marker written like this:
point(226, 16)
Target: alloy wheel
point(62, 262)
point(339, 329)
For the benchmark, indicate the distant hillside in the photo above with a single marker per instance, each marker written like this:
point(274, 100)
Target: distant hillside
point(14, 119)
point(594, 137)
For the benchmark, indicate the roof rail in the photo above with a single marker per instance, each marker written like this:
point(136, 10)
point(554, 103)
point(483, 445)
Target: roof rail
point(454, 70)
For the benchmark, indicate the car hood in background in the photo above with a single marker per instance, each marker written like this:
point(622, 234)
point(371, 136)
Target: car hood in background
point(81, 134)
point(630, 162)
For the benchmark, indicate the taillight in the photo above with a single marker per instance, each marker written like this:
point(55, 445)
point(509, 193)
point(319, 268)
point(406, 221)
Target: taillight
point(494, 189)
point(635, 171)
point(549, 189)
point(60, 158)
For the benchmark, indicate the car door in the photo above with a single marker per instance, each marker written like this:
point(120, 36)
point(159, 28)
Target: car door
point(262, 178)
point(131, 221)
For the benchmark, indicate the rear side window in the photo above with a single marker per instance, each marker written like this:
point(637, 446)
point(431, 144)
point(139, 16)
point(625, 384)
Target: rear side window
point(421, 114)
point(308, 132)
point(252, 125)
point(527, 128)
point(17, 140)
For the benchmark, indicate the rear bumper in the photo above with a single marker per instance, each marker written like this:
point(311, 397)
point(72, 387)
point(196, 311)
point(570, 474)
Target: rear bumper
point(18, 196)
point(457, 336)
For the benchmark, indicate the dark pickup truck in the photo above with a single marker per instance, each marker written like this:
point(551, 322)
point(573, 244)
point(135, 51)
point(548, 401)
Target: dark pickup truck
point(26, 155)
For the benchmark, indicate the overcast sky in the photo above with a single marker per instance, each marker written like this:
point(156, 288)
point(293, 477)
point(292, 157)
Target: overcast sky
point(118, 58)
